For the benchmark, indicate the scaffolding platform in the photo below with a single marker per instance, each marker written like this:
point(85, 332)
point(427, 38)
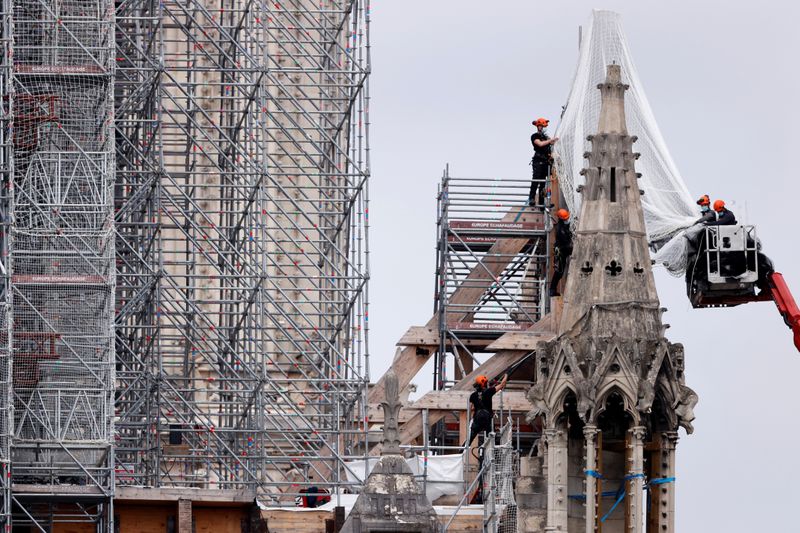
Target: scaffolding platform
point(493, 259)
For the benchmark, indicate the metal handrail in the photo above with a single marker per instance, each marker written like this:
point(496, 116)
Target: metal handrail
point(474, 483)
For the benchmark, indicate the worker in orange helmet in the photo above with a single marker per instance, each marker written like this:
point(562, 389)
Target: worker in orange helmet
point(706, 214)
point(562, 249)
point(481, 403)
point(542, 159)
point(722, 215)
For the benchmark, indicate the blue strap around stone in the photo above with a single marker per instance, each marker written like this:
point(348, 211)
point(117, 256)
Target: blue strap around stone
point(661, 480)
point(619, 499)
point(604, 494)
point(633, 476)
point(621, 494)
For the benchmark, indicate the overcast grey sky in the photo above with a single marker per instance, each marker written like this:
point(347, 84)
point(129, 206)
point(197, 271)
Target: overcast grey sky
point(460, 82)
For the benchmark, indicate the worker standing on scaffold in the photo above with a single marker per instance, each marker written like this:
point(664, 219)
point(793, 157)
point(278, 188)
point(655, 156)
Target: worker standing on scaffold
point(481, 402)
point(542, 159)
point(482, 418)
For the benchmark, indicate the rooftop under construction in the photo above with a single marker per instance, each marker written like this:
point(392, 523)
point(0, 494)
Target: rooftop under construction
point(185, 312)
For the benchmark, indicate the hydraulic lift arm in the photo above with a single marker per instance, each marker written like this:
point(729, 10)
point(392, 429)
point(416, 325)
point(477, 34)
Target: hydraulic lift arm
point(786, 305)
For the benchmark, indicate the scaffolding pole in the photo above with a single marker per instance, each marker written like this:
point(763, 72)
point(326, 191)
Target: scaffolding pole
point(6, 207)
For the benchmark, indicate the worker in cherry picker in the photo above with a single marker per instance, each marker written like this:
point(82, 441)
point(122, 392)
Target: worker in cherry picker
point(562, 249)
point(542, 159)
point(706, 214)
point(481, 403)
point(722, 215)
point(695, 235)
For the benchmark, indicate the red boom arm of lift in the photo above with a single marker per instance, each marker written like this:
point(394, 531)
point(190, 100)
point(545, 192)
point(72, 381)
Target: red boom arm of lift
point(787, 307)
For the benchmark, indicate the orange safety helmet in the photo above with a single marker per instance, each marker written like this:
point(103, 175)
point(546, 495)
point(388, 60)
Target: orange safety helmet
point(482, 381)
point(704, 200)
point(543, 122)
point(563, 214)
point(719, 205)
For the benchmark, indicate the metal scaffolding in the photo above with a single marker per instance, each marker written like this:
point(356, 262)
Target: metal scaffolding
point(6, 206)
point(184, 249)
point(61, 261)
point(241, 216)
point(493, 258)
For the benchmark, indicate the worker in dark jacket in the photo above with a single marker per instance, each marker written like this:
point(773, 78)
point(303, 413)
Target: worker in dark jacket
point(723, 216)
point(481, 403)
point(482, 417)
point(562, 250)
point(706, 214)
point(696, 235)
point(542, 158)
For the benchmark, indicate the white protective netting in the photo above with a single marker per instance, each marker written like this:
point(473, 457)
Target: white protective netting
point(504, 472)
point(505, 475)
point(668, 206)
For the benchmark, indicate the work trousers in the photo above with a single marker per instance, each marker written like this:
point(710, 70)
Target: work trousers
point(539, 181)
point(561, 258)
point(482, 423)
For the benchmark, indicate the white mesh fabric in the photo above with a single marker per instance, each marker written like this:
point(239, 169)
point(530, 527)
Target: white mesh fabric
point(668, 206)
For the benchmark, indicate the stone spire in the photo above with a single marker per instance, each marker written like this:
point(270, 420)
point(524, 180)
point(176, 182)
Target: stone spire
point(610, 265)
point(609, 389)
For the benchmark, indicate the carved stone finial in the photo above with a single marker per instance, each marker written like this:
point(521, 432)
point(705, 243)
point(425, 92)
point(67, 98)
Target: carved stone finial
point(391, 415)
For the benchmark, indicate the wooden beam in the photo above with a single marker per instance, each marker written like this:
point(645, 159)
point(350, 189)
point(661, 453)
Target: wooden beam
point(420, 336)
point(491, 368)
point(456, 400)
point(130, 493)
point(406, 365)
point(406, 362)
point(375, 414)
point(527, 340)
point(449, 401)
point(428, 337)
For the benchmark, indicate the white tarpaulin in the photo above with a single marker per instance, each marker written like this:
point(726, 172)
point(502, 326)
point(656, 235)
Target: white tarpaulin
point(445, 473)
point(668, 206)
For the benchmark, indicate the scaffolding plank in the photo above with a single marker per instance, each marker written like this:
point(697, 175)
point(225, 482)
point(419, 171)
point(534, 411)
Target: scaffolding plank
point(173, 494)
point(429, 337)
point(457, 400)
